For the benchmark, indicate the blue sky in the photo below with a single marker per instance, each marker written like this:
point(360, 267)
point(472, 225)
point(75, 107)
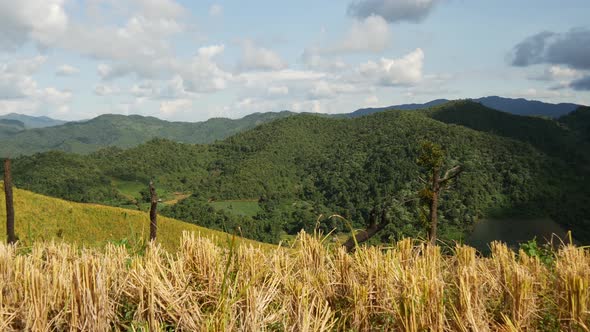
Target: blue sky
point(192, 60)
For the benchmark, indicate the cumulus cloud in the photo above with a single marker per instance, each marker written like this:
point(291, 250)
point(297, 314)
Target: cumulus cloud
point(66, 70)
point(15, 78)
point(405, 71)
point(570, 48)
point(106, 90)
point(313, 59)
point(40, 21)
point(370, 34)
point(259, 58)
point(170, 107)
point(202, 73)
point(557, 73)
point(20, 92)
point(393, 10)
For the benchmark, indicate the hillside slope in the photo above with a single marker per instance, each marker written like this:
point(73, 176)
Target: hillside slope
point(125, 131)
point(303, 166)
point(42, 218)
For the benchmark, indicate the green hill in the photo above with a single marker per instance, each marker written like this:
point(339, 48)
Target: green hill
point(10, 127)
point(578, 121)
point(42, 218)
point(124, 131)
point(303, 166)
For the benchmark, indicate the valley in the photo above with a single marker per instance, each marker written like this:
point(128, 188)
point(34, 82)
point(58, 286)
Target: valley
point(281, 176)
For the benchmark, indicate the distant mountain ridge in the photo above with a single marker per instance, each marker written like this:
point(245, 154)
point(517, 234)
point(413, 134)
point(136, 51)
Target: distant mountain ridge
point(518, 106)
point(125, 132)
point(32, 121)
point(16, 137)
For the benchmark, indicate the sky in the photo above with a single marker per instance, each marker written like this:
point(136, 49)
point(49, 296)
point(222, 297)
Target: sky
point(193, 60)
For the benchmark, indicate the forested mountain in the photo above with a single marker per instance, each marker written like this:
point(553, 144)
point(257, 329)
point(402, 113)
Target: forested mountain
point(518, 106)
point(128, 131)
point(10, 127)
point(299, 167)
point(521, 106)
point(125, 131)
point(403, 107)
point(32, 121)
point(578, 121)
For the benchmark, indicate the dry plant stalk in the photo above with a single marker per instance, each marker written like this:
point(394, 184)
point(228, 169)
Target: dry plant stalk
point(309, 287)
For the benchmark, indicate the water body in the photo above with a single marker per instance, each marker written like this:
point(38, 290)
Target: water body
point(513, 231)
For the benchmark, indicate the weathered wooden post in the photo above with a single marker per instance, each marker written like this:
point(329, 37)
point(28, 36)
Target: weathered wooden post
point(153, 212)
point(11, 236)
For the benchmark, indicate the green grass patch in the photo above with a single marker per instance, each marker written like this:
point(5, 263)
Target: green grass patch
point(248, 208)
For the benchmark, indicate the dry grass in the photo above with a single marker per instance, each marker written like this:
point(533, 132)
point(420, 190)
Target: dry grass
point(204, 287)
point(42, 218)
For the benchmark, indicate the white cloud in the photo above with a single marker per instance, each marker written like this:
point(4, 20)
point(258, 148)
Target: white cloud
point(313, 59)
point(215, 10)
point(542, 94)
point(278, 90)
point(202, 74)
point(405, 71)
point(106, 90)
point(66, 70)
point(15, 78)
point(159, 8)
point(287, 76)
point(170, 107)
point(20, 92)
point(40, 21)
point(393, 10)
point(326, 90)
point(557, 73)
point(259, 58)
point(371, 34)
point(372, 100)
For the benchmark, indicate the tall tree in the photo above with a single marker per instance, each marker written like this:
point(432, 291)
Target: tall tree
point(153, 212)
point(11, 236)
point(432, 158)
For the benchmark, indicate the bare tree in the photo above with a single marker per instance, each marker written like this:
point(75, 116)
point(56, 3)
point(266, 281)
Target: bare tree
point(432, 158)
point(11, 236)
point(153, 212)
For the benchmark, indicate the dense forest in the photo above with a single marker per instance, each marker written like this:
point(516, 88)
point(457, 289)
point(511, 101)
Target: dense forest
point(300, 170)
point(84, 137)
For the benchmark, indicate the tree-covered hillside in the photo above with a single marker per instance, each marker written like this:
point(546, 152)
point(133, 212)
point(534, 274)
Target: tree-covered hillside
point(124, 131)
point(304, 166)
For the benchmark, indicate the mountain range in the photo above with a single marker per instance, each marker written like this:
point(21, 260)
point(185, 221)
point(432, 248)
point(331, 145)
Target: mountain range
point(30, 122)
point(298, 167)
point(518, 106)
point(24, 135)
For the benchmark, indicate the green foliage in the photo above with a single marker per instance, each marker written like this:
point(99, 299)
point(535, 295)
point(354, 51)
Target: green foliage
point(194, 210)
point(544, 252)
point(122, 131)
point(431, 155)
point(304, 166)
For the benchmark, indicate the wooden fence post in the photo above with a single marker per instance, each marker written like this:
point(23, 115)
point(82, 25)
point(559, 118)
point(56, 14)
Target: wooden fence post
point(11, 236)
point(153, 212)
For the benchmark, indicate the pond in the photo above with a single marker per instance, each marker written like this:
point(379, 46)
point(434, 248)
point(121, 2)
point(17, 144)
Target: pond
point(513, 231)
